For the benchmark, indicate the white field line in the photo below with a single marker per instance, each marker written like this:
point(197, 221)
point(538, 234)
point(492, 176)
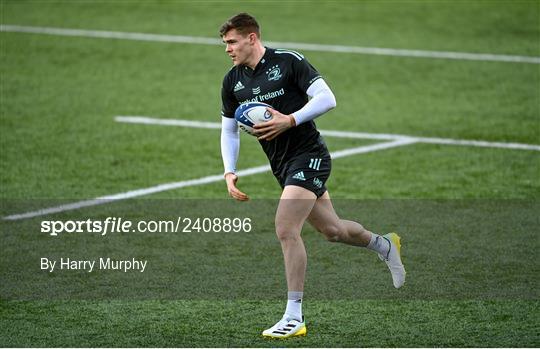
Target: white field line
point(340, 134)
point(167, 122)
point(292, 45)
point(370, 148)
point(189, 183)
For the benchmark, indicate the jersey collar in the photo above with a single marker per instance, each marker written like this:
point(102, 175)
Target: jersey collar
point(261, 64)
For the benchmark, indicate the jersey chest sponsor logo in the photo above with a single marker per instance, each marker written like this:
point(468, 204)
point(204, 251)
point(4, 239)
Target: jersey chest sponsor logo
point(265, 97)
point(274, 73)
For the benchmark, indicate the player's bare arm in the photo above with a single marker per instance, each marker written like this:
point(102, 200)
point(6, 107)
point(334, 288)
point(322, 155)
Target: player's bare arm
point(231, 179)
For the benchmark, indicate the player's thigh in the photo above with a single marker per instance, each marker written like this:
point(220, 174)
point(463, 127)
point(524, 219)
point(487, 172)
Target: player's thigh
point(294, 207)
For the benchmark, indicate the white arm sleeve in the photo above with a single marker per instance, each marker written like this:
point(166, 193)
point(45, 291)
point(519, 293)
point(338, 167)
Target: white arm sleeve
point(230, 143)
point(322, 100)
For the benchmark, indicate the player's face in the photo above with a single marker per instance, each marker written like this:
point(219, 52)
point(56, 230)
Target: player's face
point(238, 46)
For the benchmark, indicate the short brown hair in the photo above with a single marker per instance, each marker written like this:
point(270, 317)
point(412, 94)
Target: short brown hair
point(244, 24)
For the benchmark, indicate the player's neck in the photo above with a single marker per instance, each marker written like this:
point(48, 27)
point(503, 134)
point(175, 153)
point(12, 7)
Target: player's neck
point(257, 55)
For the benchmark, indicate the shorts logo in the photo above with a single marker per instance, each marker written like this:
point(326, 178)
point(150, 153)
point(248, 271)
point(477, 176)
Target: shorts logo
point(315, 164)
point(274, 73)
point(299, 176)
point(317, 182)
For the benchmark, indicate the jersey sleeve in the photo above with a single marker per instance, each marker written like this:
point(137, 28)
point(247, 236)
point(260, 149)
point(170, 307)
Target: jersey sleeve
point(304, 73)
point(228, 100)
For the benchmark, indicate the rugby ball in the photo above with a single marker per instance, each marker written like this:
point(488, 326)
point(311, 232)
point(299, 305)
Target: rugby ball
point(249, 114)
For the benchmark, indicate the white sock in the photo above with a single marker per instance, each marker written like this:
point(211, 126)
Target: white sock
point(379, 244)
point(294, 305)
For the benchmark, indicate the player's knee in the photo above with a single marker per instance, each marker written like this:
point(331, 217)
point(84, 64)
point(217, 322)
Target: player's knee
point(332, 232)
point(286, 233)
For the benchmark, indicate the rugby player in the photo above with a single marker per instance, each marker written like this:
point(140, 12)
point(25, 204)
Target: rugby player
point(297, 153)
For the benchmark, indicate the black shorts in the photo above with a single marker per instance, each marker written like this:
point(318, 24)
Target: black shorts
point(310, 171)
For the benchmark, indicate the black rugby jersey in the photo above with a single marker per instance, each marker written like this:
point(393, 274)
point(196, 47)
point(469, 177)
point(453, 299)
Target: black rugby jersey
point(280, 79)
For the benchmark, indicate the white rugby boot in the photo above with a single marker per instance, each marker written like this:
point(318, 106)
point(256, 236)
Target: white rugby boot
point(286, 328)
point(393, 259)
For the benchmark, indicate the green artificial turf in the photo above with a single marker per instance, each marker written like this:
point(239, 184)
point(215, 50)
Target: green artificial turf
point(468, 215)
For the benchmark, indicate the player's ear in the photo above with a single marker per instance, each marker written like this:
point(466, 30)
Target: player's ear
point(252, 38)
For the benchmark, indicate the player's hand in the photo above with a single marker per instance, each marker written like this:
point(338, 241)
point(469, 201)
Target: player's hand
point(231, 180)
point(276, 126)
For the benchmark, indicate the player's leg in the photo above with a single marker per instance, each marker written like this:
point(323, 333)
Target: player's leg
point(294, 207)
point(323, 217)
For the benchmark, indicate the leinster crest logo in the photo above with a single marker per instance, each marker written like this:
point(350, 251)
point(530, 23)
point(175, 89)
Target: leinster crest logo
point(274, 73)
